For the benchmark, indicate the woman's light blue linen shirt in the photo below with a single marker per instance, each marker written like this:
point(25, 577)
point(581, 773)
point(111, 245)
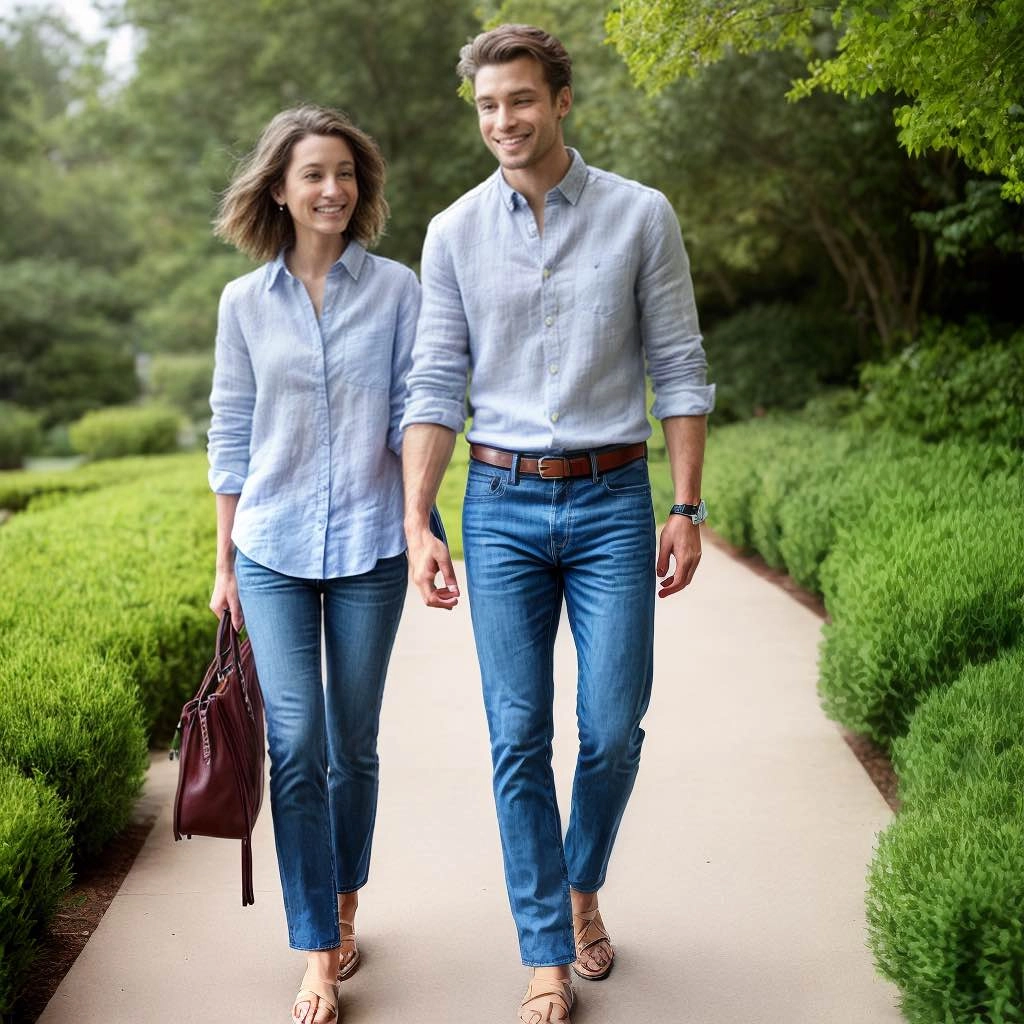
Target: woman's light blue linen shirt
point(306, 413)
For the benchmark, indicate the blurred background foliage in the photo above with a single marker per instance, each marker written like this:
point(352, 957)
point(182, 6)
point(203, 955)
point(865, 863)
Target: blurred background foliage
point(819, 245)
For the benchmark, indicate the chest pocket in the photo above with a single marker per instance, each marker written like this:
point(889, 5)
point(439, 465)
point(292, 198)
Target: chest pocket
point(604, 284)
point(366, 359)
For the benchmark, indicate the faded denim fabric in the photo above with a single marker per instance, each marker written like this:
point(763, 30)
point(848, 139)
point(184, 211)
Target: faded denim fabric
point(306, 414)
point(555, 329)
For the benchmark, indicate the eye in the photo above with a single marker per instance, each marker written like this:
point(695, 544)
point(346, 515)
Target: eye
point(347, 175)
point(311, 176)
point(486, 108)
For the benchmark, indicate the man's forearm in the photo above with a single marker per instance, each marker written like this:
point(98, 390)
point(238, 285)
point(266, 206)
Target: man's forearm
point(684, 440)
point(426, 451)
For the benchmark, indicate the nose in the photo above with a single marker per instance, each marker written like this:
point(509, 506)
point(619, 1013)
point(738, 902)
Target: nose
point(506, 117)
point(330, 186)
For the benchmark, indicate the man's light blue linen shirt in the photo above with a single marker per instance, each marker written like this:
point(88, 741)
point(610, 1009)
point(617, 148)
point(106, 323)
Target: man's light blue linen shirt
point(306, 414)
point(553, 329)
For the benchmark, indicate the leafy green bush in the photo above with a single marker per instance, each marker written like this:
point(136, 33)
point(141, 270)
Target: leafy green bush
point(73, 719)
point(776, 357)
point(34, 872)
point(126, 430)
point(183, 381)
point(914, 598)
point(19, 489)
point(953, 382)
point(20, 435)
point(967, 734)
point(122, 573)
point(945, 905)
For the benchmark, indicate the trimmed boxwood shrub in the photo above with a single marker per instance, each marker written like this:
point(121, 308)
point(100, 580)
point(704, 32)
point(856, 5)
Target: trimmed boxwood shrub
point(19, 489)
point(34, 872)
point(122, 573)
point(913, 600)
point(967, 734)
point(20, 435)
point(74, 721)
point(945, 905)
point(126, 430)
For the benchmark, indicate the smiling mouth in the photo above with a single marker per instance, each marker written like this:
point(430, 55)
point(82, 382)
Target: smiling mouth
point(329, 209)
point(512, 141)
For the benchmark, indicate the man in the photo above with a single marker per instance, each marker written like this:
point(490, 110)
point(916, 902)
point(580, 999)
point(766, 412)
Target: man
point(553, 282)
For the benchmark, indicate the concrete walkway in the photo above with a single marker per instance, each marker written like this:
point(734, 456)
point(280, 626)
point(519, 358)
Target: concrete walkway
point(735, 895)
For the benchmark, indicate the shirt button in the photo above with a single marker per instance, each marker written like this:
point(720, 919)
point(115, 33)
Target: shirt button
point(548, 321)
point(553, 367)
point(554, 417)
point(547, 273)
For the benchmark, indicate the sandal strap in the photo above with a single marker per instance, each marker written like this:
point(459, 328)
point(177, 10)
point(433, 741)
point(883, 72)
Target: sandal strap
point(323, 989)
point(542, 987)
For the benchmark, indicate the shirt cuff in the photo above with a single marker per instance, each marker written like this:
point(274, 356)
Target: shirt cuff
point(685, 401)
point(223, 481)
point(443, 412)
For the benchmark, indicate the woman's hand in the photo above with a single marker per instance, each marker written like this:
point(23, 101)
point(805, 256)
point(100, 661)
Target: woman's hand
point(225, 595)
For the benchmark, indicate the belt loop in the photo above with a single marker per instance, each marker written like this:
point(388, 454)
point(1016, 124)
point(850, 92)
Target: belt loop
point(514, 470)
point(592, 455)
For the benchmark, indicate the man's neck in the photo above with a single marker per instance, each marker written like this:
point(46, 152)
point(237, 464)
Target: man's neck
point(534, 183)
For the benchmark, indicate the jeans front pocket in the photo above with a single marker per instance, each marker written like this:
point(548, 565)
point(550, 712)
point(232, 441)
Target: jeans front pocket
point(484, 482)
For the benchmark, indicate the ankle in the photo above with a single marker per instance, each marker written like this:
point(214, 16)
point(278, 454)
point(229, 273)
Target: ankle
point(583, 902)
point(560, 972)
point(348, 904)
point(323, 963)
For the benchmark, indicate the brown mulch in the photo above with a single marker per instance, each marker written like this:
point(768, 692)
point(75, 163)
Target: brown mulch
point(874, 760)
point(76, 919)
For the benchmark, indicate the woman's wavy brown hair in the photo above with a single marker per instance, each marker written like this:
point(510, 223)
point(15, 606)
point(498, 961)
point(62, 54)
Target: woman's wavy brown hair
point(250, 219)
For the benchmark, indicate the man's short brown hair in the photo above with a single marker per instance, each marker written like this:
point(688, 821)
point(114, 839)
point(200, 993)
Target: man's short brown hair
point(509, 42)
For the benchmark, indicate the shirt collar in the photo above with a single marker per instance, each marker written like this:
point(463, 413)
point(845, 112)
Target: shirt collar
point(352, 259)
point(571, 186)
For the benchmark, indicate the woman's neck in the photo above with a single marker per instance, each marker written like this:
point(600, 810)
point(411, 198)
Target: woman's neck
point(313, 256)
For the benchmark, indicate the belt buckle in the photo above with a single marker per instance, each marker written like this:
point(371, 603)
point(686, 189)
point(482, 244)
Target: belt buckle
point(545, 474)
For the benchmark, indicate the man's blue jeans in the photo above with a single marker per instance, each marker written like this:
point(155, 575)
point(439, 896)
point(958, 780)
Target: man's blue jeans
point(528, 543)
point(322, 738)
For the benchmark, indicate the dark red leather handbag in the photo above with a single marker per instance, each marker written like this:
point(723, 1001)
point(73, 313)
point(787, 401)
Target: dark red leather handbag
point(220, 774)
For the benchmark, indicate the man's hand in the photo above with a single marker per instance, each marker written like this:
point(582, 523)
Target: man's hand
point(680, 539)
point(429, 556)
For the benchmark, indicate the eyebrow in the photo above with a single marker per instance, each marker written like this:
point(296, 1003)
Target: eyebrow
point(528, 90)
point(316, 166)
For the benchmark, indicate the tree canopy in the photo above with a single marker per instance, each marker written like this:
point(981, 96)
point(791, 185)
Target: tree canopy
point(957, 67)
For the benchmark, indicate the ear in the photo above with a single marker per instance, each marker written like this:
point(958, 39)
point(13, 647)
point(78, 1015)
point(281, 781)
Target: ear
point(277, 194)
point(563, 101)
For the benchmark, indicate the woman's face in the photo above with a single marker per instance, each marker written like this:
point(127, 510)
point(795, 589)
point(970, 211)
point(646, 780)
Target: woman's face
point(319, 187)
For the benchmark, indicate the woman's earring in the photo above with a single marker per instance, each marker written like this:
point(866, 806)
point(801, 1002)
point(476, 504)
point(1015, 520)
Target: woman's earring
point(280, 206)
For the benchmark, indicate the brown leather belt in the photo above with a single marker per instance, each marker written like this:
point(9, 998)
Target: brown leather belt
point(555, 467)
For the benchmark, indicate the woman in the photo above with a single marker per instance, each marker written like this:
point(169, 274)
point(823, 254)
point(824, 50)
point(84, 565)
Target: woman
point(311, 355)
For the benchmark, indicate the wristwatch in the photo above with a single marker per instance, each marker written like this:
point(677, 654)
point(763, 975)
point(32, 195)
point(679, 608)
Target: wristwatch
point(698, 513)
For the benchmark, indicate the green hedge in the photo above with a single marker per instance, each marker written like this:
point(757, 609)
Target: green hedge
point(946, 890)
point(914, 597)
point(34, 872)
point(20, 435)
point(967, 734)
point(945, 906)
point(19, 489)
point(122, 573)
point(73, 719)
point(952, 382)
point(182, 380)
point(126, 430)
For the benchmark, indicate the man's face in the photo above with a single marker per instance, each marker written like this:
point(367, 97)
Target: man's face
point(520, 120)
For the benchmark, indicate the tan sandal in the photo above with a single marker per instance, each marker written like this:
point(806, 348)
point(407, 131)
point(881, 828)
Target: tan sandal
point(594, 953)
point(314, 994)
point(347, 967)
point(547, 1001)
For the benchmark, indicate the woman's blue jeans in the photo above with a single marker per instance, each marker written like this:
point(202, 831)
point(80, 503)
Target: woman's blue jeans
point(322, 735)
point(530, 542)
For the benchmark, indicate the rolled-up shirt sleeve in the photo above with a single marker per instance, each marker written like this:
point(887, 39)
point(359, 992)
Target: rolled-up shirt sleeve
point(669, 327)
point(401, 362)
point(440, 362)
point(231, 402)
